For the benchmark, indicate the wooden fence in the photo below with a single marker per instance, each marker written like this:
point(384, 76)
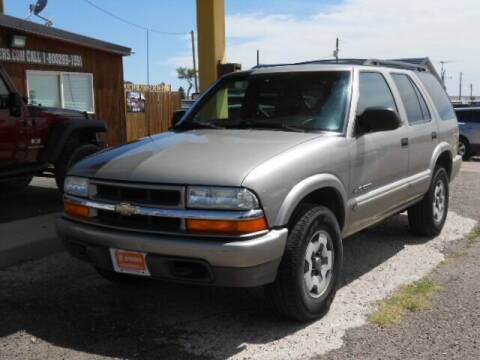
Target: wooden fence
point(160, 103)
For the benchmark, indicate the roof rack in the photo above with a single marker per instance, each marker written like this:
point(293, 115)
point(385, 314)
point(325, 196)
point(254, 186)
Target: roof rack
point(364, 62)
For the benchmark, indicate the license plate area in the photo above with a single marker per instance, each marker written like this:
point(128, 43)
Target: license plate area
point(129, 262)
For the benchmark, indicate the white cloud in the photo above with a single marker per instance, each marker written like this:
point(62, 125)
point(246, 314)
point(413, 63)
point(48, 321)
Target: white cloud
point(440, 29)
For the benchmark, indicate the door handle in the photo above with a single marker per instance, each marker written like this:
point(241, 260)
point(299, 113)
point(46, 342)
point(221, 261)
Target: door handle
point(404, 142)
point(434, 135)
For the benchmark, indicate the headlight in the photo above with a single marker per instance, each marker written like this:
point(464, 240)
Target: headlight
point(221, 198)
point(76, 186)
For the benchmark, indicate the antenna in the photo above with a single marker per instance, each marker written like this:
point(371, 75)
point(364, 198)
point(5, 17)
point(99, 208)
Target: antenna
point(37, 8)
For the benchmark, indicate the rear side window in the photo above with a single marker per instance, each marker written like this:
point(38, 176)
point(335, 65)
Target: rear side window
point(374, 92)
point(468, 116)
point(438, 95)
point(413, 101)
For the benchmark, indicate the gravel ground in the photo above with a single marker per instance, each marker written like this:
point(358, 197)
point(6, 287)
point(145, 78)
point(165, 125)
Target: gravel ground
point(58, 308)
point(451, 328)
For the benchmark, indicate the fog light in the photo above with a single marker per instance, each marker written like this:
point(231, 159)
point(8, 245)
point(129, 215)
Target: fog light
point(227, 227)
point(76, 210)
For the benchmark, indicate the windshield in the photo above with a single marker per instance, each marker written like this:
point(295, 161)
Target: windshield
point(301, 101)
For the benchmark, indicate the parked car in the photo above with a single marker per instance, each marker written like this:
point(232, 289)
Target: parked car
point(265, 194)
point(469, 123)
point(37, 141)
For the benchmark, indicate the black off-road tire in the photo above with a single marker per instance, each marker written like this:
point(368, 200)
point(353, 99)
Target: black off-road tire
point(288, 295)
point(421, 215)
point(71, 155)
point(15, 185)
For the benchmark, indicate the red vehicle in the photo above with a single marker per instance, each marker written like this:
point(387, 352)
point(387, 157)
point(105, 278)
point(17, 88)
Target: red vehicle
point(40, 141)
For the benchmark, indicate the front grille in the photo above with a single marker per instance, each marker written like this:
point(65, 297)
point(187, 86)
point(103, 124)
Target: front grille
point(139, 222)
point(147, 195)
point(165, 196)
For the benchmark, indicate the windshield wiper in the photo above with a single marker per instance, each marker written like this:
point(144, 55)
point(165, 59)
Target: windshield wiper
point(191, 125)
point(269, 126)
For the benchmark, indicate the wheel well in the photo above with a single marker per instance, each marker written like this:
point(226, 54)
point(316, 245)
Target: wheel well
point(445, 160)
point(328, 197)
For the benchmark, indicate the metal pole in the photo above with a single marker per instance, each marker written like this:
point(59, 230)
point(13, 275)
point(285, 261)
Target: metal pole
point(258, 57)
point(148, 57)
point(335, 53)
point(2, 6)
point(194, 56)
point(460, 87)
point(471, 92)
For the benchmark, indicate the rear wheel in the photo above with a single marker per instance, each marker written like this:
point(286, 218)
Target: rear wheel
point(72, 155)
point(428, 216)
point(14, 185)
point(310, 269)
point(464, 148)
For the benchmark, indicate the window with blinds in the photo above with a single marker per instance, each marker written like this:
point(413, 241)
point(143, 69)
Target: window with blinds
point(66, 90)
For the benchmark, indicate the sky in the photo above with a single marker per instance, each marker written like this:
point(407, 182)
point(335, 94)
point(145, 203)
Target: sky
point(283, 31)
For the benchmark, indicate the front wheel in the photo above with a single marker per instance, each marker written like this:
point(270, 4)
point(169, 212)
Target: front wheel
point(310, 269)
point(69, 158)
point(428, 217)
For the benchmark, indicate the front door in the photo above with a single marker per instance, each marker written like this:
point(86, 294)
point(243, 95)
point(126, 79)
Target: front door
point(379, 160)
point(9, 129)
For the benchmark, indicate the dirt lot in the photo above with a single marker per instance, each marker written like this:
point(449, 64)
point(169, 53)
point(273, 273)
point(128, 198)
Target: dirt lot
point(58, 308)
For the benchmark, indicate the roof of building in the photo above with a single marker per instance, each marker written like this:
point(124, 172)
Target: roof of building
point(62, 35)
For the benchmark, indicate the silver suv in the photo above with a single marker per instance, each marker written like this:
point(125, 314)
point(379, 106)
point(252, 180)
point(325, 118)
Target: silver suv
point(261, 180)
point(469, 122)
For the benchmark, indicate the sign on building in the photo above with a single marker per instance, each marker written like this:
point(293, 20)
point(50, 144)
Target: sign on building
point(40, 57)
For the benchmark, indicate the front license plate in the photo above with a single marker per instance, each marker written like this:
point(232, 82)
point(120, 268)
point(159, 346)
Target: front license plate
point(129, 262)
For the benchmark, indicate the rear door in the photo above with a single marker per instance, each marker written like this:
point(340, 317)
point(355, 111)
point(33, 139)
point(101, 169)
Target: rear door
point(10, 129)
point(422, 132)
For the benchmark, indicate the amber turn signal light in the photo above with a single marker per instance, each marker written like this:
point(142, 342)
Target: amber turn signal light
point(227, 227)
point(76, 210)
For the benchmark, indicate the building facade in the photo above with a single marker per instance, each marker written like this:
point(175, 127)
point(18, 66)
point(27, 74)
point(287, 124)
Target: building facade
point(57, 68)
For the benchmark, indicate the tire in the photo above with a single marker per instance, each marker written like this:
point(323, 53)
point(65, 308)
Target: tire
point(428, 217)
point(464, 149)
point(70, 157)
point(14, 185)
point(119, 279)
point(292, 295)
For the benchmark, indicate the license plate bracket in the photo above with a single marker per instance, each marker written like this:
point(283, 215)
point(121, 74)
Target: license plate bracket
point(129, 262)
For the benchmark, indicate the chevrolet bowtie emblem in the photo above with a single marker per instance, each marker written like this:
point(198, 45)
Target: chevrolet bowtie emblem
point(126, 209)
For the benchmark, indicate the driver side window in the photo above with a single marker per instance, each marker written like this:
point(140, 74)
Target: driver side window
point(374, 92)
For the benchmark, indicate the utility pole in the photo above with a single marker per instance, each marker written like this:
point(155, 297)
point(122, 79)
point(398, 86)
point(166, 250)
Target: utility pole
point(443, 72)
point(258, 57)
point(194, 57)
point(460, 87)
point(148, 57)
point(337, 50)
point(471, 92)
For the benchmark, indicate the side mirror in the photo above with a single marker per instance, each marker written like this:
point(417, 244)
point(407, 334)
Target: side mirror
point(15, 103)
point(377, 119)
point(177, 116)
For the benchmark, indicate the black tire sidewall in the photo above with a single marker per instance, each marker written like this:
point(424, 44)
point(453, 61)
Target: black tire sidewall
point(440, 174)
point(322, 220)
point(466, 156)
point(70, 158)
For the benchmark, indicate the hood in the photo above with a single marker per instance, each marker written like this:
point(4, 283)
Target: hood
point(198, 157)
point(42, 111)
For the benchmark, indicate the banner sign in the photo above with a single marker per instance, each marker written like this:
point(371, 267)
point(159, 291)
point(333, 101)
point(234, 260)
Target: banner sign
point(40, 57)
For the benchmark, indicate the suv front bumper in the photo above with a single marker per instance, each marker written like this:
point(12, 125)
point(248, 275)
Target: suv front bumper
point(239, 263)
